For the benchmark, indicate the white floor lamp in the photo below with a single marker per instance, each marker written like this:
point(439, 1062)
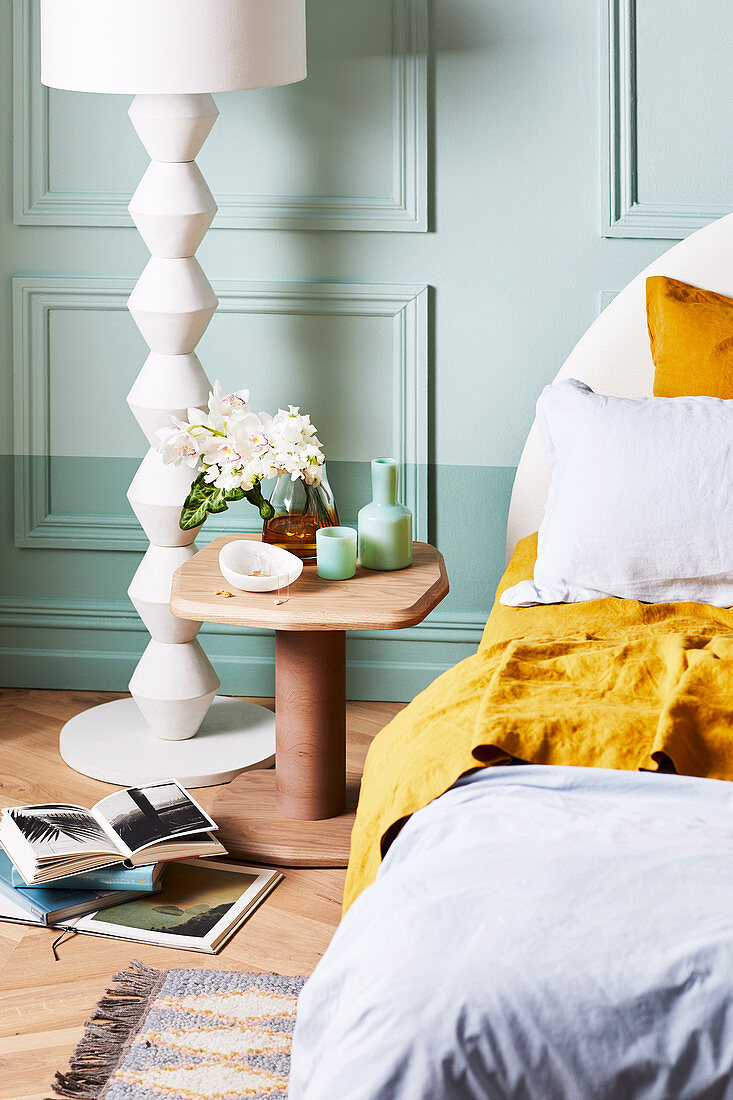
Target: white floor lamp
point(171, 55)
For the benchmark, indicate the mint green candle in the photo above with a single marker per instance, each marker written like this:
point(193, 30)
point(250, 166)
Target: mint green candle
point(336, 553)
point(385, 527)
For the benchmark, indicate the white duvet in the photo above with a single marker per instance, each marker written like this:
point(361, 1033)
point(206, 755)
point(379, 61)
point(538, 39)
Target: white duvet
point(537, 932)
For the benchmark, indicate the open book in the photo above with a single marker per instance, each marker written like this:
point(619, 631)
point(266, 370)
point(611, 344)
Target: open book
point(140, 825)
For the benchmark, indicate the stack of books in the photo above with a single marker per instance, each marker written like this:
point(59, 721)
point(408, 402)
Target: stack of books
point(142, 864)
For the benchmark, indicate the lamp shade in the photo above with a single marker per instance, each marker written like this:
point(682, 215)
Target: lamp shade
point(149, 47)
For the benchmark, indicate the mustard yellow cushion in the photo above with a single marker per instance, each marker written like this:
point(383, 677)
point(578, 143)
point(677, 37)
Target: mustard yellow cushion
point(691, 336)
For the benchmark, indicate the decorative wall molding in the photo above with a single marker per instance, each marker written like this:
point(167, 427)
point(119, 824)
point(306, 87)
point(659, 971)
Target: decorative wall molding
point(404, 210)
point(624, 214)
point(110, 670)
point(372, 673)
point(119, 615)
point(35, 522)
point(104, 661)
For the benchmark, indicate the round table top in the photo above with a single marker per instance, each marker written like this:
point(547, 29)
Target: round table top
point(371, 600)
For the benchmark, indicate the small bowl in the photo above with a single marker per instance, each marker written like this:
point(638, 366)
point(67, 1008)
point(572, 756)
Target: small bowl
point(240, 558)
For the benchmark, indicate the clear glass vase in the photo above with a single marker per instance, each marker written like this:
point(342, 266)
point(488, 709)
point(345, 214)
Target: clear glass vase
point(300, 510)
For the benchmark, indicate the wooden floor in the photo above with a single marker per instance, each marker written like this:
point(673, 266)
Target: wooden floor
point(43, 1003)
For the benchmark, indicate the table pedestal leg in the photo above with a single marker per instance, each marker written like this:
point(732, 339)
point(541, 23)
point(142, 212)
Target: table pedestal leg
point(310, 714)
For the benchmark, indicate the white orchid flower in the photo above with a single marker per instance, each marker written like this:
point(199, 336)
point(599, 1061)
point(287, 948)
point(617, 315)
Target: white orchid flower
point(226, 406)
point(177, 446)
point(258, 438)
point(220, 450)
point(249, 433)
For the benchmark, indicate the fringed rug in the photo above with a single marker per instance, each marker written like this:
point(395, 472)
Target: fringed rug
point(186, 1035)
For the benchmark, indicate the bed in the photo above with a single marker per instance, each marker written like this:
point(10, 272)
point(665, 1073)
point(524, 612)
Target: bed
point(558, 924)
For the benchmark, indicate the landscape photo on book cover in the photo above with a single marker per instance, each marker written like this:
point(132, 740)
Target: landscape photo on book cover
point(193, 900)
point(161, 811)
point(59, 830)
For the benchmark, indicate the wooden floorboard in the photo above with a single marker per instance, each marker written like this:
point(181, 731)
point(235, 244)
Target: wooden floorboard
point(43, 1003)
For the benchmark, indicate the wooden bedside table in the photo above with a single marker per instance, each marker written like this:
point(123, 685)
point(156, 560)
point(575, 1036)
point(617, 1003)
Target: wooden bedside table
point(295, 816)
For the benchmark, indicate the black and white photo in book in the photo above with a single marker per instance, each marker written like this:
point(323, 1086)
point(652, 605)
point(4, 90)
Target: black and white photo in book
point(146, 815)
point(59, 830)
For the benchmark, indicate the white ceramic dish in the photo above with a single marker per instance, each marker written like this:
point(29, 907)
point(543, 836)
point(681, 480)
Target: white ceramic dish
point(238, 560)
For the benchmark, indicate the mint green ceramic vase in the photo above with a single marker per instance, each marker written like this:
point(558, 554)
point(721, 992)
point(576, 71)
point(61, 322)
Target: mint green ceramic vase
point(385, 527)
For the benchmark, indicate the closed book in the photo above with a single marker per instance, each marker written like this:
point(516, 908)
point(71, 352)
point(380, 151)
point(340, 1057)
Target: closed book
point(51, 906)
point(203, 902)
point(142, 880)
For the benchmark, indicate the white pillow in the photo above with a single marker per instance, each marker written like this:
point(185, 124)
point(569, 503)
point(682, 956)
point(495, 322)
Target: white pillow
point(640, 503)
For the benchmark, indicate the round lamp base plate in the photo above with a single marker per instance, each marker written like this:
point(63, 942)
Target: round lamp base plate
point(112, 742)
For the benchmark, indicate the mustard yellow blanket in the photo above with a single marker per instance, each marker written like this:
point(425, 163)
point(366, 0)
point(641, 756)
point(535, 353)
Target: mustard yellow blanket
point(609, 683)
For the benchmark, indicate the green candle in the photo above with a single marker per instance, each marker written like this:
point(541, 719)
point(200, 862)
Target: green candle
point(336, 553)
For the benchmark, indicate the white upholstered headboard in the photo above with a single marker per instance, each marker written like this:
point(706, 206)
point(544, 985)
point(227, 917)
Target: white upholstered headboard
point(613, 356)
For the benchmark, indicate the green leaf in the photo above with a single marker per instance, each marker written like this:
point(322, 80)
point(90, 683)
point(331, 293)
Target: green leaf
point(196, 505)
point(218, 501)
point(204, 498)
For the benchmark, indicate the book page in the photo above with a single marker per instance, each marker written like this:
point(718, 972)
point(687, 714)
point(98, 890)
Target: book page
point(142, 816)
point(59, 830)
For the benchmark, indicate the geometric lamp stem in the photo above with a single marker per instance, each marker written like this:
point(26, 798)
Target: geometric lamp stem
point(153, 735)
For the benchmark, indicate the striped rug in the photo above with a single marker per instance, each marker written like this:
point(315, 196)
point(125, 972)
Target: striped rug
point(186, 1035)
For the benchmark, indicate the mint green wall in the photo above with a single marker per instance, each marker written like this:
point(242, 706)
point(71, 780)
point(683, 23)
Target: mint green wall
point(408, 245)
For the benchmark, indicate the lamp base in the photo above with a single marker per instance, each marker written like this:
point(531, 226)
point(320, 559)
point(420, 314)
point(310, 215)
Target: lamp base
point(112, 742)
